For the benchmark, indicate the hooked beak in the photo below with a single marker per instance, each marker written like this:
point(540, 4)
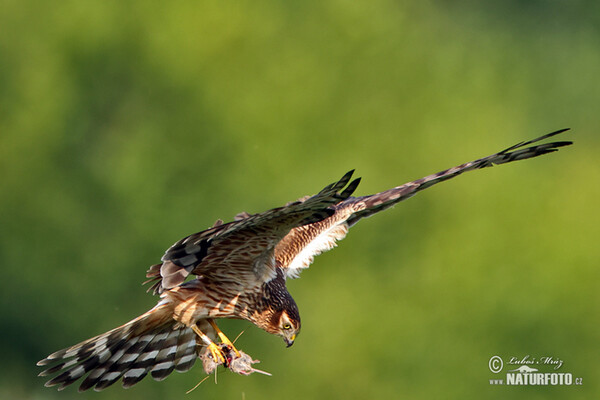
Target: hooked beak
point(289, 341)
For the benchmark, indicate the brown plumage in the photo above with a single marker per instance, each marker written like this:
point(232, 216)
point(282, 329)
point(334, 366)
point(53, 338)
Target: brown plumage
point(240, 270)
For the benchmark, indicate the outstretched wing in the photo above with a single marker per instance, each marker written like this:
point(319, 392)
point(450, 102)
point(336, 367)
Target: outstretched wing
point(242, 250)
point(297, 250)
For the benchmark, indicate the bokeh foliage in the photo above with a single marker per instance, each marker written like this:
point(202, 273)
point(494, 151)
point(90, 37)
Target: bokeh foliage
point(126, 125)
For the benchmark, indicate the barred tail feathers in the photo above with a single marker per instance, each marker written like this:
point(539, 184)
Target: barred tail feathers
point(152, 343)
point(381, 201)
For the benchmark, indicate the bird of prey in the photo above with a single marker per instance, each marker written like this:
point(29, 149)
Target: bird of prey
point(238, 270)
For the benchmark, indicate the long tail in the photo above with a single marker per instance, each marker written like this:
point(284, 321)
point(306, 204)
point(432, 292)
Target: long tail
point(152, 343)
point(381, 201)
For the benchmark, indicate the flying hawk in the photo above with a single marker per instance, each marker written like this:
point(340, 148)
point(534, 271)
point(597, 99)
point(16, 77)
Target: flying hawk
point(238, 270)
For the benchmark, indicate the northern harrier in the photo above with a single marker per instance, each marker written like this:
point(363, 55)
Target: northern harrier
point(239, 270)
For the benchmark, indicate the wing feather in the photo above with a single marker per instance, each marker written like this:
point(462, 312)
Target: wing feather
point(297, 250)
point(386, 199)
point(247, 244)
point(291, 236)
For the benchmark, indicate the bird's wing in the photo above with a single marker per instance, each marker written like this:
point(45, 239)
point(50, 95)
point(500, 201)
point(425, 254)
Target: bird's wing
point(242, 250)
point(297, 250)
point(383, 200)
point(299, 247)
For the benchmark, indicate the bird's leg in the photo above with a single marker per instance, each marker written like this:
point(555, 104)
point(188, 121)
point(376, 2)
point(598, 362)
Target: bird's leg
point(215, 350)
point(224, 339)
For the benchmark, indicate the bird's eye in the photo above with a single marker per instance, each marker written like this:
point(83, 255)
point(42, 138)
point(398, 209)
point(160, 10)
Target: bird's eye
point(287, 327)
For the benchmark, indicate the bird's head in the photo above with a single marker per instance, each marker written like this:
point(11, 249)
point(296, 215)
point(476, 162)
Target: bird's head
point(284, 323)
point(288, 327)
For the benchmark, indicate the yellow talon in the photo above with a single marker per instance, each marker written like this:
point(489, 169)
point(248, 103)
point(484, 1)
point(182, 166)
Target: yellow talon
point(224, 339)
point(216, 354)
point(215, 351)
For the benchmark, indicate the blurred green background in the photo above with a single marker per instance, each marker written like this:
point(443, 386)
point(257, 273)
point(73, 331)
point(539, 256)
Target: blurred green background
point(126, 125)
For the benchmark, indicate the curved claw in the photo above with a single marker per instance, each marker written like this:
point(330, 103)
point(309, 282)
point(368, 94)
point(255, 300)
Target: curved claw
point(224, 339)
point(217, 354)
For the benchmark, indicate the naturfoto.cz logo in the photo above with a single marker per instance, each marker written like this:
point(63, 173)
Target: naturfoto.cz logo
point(527, 371)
